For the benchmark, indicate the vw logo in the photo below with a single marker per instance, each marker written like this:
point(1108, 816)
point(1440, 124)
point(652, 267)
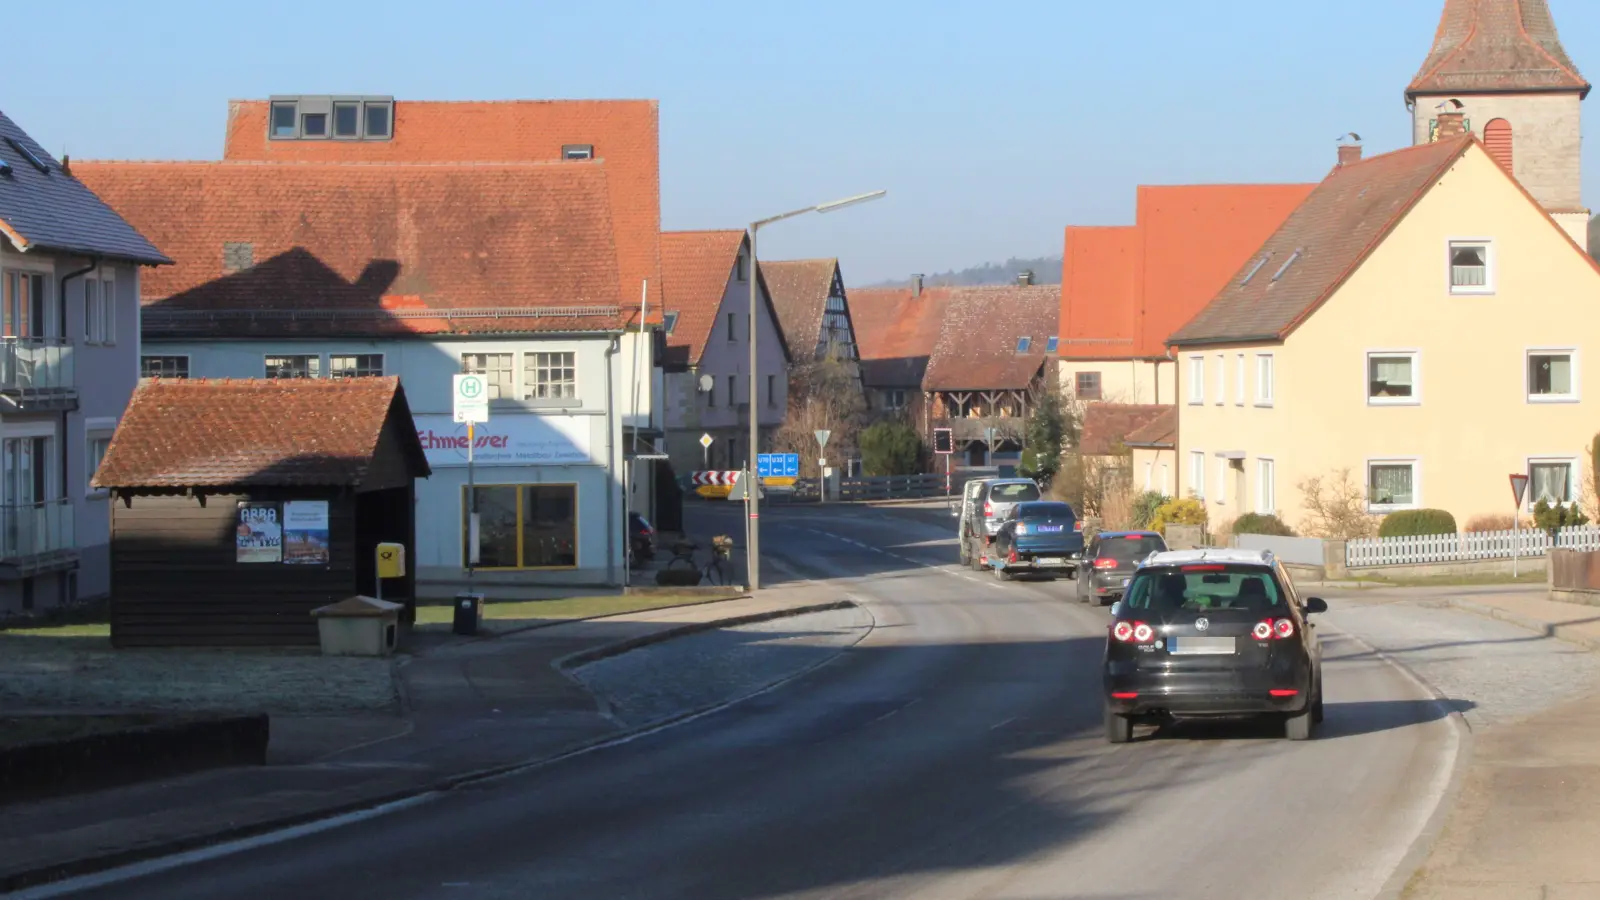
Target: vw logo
point(1202, 623)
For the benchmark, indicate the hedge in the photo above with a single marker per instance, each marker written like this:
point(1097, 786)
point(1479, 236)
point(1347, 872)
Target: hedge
point(1256, 523)
point(1414, 522)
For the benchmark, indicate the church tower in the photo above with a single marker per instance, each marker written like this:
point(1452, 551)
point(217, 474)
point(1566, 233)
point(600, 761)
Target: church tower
point(1500, 64)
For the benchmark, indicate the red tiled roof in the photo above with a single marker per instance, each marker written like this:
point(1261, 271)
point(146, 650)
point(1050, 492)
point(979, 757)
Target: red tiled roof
point(800, 289)
point(896, 333)
point(1161, 431)
point(696, 267)
point(624, 133)
point(1109, 425)
point(977, 347)
point(200, 433)
point(1125, 290)
point(362, 249)
point(1321, 244)
point(1496, 46)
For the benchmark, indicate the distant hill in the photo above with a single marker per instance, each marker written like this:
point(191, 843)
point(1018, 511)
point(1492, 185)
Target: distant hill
point(1046, 270)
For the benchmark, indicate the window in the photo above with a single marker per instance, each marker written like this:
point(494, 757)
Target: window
point(1088, 386)
point(733, 327)
point(1471, 267)
point(669, 321)
point(1197, 379)
point(894, 399)
point(1239, 381)
point(1051, 344)
point(91, 311)
point(740, 271)
point(1222, 379)
point(1263, 379)
point(1391, 485)
point(163, 367)
point(577, 151)
point(523, 526)
point(733, 390)
point(24, 306)
point(378, 120)
point(550, 376)
point(283, 118)
point(733, 452)
point(1149, 476)
point(314, 125)
point(1392, 378)
point(361, 365)
point(1197, 473)
point(1551, 480)
point(99, 310)
point(1222, 480)
point(98, 445)
point(1023, 343)
point(772, 390)
point(496, 369)
point(346, 120)
point(27, 471)
point(711, 391)
point(298, 366)
point(1552, 376)
point(1266, 487)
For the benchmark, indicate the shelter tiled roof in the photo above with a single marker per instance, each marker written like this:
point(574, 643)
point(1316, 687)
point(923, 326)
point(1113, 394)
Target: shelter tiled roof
point(896, 333)
point(1321, 244)
point(49, 209)
point(1496, 46)
point(978, 347)
point(623, 133)
point(1126, 289)
point(800, 289)
point(202, 433)
point(1160, 431)
point(332, 248)
point(1106, 426)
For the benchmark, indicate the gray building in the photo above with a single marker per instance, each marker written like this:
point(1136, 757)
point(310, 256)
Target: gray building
point(69, 361)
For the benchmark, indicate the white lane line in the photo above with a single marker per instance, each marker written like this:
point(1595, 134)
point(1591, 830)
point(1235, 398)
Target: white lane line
point(1001, 724)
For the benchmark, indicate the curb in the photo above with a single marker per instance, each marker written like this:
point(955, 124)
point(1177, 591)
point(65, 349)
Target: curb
point(1394, 887)
point(1538, 626)
point(90, 865)
point(557, 623)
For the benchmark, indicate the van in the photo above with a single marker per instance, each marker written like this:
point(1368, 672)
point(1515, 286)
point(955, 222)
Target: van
point(985, 504)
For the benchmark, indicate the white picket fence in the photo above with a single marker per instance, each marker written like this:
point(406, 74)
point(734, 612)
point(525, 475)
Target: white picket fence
point(1471, 545)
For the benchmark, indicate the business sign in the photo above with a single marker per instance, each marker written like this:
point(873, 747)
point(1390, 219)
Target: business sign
point(510, 440)
point(305, 532)
point(471, 392)
point(258, 536)
point(777, 465)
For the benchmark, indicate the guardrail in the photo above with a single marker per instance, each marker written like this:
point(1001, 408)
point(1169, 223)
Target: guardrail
point(1464, 547)
point(31, 366)
point(35, 530)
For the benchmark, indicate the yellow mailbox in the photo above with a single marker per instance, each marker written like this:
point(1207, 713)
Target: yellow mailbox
point(391, 560)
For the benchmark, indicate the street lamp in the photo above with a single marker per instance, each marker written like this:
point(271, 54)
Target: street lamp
point(751, 486)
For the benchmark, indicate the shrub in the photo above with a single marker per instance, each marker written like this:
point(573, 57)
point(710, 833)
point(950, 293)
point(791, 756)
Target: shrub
point(1496, 522)
point(1187, 511)
point(1554, 518)
point(1414, 522)
point(1144, 508)
point(890, 448)
point(1255, 523)
point(1336, 507)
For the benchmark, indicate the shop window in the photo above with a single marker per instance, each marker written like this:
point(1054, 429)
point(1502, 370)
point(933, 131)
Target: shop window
point(525, 526)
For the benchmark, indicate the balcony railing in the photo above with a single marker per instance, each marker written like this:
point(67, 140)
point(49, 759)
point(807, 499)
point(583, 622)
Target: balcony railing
point(976, 428)
point(33, 531)
point(36, 366)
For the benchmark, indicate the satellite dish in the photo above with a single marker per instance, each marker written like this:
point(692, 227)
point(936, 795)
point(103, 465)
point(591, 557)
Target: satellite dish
point(706, 383)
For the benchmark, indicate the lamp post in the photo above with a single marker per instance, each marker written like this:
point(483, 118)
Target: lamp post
point(751, 486)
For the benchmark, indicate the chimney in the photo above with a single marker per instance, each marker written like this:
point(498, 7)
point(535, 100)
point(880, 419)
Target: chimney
point(1025, 277)
point(1451, 125)
point(916, 285)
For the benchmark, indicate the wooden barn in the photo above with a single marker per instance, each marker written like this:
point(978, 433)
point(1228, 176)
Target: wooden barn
point(241, 505)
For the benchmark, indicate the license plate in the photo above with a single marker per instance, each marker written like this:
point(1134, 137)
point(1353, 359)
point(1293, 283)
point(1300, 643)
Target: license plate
point(1200, 646)
point(1049, 561)
point(1046, 529)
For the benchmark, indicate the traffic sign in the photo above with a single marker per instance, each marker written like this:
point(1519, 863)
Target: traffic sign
point(705, 441)
point(777, 465)
point(944, 441)
point(471, 398)
point(822, 437)
point(1519, 488)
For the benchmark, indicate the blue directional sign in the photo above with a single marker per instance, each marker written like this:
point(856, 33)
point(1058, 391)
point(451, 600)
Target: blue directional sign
point(777, 465)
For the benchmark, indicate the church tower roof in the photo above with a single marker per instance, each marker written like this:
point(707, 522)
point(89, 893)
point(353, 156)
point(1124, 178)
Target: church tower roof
point(1496, 47)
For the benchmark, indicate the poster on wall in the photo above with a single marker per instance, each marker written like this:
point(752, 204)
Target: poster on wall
point(305, 532)
point(259, 536)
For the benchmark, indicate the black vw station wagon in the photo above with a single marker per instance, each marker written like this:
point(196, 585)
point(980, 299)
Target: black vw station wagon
point(1212, 634)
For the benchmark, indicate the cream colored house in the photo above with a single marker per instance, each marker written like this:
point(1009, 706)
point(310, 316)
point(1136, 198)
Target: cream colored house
point(1421, 320)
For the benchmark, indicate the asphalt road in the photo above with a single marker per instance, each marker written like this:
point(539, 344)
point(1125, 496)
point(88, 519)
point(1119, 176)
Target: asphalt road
point(955, 752)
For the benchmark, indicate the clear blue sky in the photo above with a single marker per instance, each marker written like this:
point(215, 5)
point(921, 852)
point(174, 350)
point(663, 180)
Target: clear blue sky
point(992, 125)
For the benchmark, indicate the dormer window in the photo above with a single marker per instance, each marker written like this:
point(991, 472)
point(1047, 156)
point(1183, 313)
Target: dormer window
point(577, 151)
point(314, 125)
point(1023, 343)
point(319, 118)
point(283, 120)
point(1051, 344)
point(346, 120)
point(670, 321)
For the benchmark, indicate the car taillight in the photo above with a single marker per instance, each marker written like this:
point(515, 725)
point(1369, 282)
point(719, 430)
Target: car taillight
point(1078, 525)
point(1021, 528)
point(988, 509)
point(1268, 629)
point(1012, 556)
point(1133, 632)
point(1105, 564)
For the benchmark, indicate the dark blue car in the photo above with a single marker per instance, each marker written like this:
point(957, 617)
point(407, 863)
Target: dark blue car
point(1043, 537)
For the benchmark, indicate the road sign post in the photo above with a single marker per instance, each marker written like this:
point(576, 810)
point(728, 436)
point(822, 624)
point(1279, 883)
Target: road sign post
point(705, 447)
point(470, 405)
point(1519, 489)
point(822, 435)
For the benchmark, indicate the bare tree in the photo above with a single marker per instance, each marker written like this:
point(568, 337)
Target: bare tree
point(823, 395)
point(1336, 507)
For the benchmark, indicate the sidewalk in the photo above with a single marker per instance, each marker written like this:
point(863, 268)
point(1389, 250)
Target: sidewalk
point(472, 708)
point(1523, 824)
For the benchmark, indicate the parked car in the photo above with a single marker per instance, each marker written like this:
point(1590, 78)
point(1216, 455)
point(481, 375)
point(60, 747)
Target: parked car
point(641, 538)
point(1212, 633)
point(1110, 560)
point(1044, 537)
point(985, 503)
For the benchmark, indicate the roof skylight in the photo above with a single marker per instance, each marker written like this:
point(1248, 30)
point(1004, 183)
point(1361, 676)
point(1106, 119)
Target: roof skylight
point(1023, 343)
point(29, 155)
point(1051, 344)
point(1286, 264)
point(1255, 268)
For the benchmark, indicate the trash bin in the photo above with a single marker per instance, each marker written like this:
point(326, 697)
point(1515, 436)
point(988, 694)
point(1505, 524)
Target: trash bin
point(359, 626)
point(469, 611)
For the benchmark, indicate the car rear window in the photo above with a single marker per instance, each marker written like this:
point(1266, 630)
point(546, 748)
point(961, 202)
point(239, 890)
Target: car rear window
point(1014, 493)
point(1131, 547)
point(1046, 511)
point(1204, 587)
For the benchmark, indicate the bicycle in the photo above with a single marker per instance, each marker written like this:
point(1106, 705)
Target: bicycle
point(713, 572)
